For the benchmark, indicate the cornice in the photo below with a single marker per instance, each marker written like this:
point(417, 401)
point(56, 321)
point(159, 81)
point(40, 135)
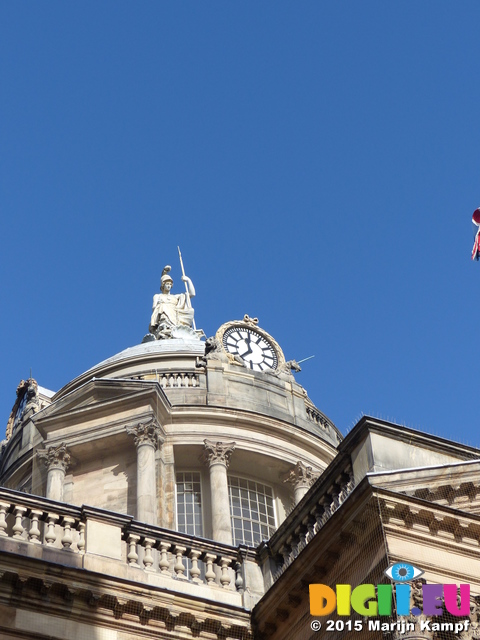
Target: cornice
point(412, 437)
point(127, 391)
point(89, 600)
point(430, 524)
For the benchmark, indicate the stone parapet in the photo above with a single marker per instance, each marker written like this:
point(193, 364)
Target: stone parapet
point(117, 546)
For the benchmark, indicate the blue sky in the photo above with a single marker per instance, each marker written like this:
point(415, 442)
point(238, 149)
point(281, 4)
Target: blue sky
point(317, 162)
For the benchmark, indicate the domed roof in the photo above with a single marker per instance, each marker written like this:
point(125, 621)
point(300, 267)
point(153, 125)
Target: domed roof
point(143, 360)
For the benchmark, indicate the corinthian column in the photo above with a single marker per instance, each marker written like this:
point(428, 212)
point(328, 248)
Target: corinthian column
point(147, 438)
point(217, 455)
point(302, 478)
point(57, 460)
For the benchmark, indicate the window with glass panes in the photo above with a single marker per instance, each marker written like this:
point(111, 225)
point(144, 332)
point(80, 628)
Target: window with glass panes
point(251, 510)
point(189, 503)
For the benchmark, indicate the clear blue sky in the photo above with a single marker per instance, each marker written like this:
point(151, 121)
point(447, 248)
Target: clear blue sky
point(317, 162)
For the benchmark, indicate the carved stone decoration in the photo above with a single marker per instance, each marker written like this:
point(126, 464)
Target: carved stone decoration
point(56, 457)
point(27, 398)
point(214, 351)
point(172, 314)
point(146, 433)
point(57, 460)
point(218, 452)
point(284, 371)
point(302, 478)
point(252, 321)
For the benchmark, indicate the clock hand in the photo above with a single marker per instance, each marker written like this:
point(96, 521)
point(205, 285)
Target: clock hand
point(249, 351)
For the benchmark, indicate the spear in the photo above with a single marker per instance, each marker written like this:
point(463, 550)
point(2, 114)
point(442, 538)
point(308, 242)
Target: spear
point(305, 359)
point(189, 303)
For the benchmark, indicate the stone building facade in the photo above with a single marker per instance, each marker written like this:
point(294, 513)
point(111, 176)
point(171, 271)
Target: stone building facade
point(187, 488)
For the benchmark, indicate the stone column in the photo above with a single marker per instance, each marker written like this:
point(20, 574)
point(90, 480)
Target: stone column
point(147, 437)
point(57, 460)
point(217, 455)
point(302, 478)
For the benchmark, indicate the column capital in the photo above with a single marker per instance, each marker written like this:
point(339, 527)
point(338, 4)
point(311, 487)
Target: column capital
point(218, 452)
point(146, 433)
point(56, 457)
point(301, 476)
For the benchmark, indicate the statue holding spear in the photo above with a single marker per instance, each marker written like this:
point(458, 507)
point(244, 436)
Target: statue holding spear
point(172, 310)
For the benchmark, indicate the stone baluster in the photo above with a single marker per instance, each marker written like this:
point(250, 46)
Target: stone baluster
point(301, 535)
point(326, 503)
point(239, 567)
point(147, 439)
point(18, 528)
point(239, 581)
point(81, 537)
point(163, 563)
point(224, 577)
point(217, 455)
point(301, 478)
point(67, 540)
point(309, 522)
point(4, 507)
point(148, 557)
point(34, 532)
point(132, 557)
point(286, 553)
point(210, 576)
point(50, 535)
point(57, 460)
point(195, 571)
point(179, 567)
point(335, 490)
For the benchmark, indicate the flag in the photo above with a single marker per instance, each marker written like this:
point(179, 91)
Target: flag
point(476, 231)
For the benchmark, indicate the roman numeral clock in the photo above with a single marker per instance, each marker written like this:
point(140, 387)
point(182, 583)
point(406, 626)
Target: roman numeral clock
point(245, 342)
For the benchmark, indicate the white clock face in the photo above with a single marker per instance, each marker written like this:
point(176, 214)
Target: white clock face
point(257, 353)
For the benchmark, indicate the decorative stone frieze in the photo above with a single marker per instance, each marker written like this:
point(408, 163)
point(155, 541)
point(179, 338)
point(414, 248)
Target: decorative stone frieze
point(218, 452)
point(93, 604)
point(146, 433)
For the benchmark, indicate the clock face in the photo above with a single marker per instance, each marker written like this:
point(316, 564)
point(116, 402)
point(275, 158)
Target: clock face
point(255, 350)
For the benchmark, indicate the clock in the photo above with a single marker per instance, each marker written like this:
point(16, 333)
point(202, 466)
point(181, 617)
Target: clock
point(247, 343)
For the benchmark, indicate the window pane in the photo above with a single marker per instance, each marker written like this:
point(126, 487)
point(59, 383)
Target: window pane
point(251, 510)
point(189, 503)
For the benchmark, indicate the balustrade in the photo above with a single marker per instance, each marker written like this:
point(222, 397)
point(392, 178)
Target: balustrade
point(38, 526)
point(180, 379)
point(181, 562)
point(28, 519)
point(307, 519)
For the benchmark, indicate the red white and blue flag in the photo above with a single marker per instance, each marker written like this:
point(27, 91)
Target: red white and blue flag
point(476, 231)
